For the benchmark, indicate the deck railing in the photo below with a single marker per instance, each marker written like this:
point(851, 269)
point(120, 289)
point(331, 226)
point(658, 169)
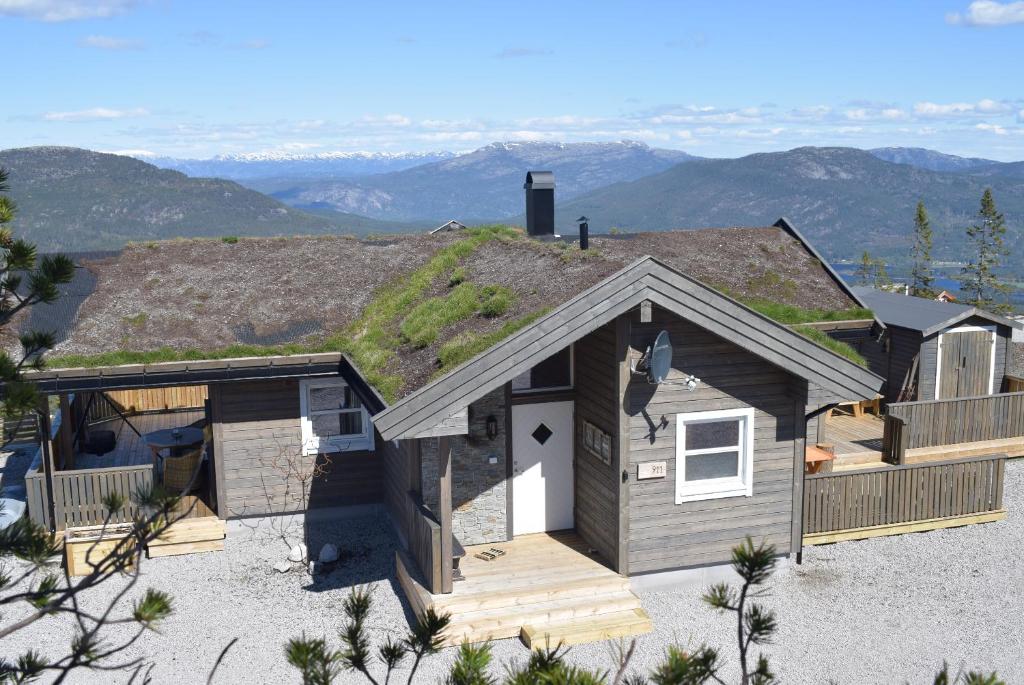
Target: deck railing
point(423, 534)
point(911, 425)
point(891, 495)
point(78, 496)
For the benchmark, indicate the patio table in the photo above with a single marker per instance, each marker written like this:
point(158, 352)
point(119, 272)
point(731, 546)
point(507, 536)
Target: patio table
point(172, 438)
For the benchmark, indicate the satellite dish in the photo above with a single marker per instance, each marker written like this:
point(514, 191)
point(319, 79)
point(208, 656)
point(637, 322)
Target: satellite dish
point(661, 359)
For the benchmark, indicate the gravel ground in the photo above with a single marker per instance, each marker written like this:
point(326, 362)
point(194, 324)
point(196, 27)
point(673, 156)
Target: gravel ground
point(887, 610)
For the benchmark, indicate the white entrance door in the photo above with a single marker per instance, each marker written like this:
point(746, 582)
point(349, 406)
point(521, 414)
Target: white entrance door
point(542, 482)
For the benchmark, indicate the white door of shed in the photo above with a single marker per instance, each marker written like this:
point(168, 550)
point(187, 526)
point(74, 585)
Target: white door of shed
point(542, 476)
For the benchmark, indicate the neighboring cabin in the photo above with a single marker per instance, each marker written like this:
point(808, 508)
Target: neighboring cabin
point(940, 350)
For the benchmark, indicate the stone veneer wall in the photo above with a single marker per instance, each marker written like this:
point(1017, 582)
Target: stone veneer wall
point(478, 487)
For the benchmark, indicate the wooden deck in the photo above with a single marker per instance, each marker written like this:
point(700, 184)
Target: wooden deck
point(546, 587)
point(856, 439)
point(131, 450)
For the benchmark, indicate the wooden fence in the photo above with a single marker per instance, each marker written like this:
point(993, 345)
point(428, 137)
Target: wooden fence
point(24, 429)
point(35, 491)
point(879, 501)
point(423, 534)
point(910, 425)
point(160, 399)
point(78, 495)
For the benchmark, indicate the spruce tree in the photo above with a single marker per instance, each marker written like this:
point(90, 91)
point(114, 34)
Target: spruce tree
point(922, 278)
point(978, 279)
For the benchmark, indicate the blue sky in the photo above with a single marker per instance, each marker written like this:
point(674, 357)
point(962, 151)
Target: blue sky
point(196, 79)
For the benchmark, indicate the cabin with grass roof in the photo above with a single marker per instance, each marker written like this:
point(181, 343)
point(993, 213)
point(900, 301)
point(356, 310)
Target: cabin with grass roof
point(546, 426)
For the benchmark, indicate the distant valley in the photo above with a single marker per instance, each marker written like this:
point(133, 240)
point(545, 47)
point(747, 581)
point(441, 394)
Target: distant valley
point(845, 199)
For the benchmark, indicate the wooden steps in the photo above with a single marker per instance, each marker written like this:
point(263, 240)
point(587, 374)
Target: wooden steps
point(578, 631)
point(547, 584)
point(189, 536)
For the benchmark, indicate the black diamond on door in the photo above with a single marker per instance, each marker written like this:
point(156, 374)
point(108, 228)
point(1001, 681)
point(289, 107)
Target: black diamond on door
point(541, 433)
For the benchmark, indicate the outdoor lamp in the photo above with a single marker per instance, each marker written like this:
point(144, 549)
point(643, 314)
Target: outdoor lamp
point(492, 427)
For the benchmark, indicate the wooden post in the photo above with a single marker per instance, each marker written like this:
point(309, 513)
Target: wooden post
point(796, 543)
point(44, 439)
point(64, 436)
point(444, 509)
point(621, 458)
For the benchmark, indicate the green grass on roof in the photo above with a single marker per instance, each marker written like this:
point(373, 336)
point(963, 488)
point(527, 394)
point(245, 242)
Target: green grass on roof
point(788, 314)
point(830, 343)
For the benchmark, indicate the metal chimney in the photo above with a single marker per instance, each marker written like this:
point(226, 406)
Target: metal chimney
point(584, 232)
point(540, 203)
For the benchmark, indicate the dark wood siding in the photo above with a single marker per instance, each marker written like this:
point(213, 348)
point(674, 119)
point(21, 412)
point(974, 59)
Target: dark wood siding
point(665, 535)
point(862, 340)
point(597, 520)
point(904, 345)
point(256, 427)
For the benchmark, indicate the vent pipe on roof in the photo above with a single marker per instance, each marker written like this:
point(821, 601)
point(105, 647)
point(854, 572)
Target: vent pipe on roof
point(540, 203)
point(584, 232)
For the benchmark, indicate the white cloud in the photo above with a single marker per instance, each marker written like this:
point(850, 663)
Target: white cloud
point(992, 128)
point(989, 13)
point(96, 114)
point(64, 10)
point(961, 109)
point(111, 43)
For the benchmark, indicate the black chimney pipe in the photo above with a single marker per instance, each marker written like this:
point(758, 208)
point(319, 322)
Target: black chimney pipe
point(540, 203)
point(584, 233)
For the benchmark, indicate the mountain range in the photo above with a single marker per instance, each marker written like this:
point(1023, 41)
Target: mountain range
point(74, 200)
point(845, 199)
point(477, 186)
point(329, 165)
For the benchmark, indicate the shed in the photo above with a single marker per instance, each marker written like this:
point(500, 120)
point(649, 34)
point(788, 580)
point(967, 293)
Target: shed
point(940, 350)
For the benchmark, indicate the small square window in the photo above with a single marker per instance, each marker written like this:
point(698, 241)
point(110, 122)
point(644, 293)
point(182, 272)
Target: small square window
point(333, 418)
point(542, 433)
point(714, 454)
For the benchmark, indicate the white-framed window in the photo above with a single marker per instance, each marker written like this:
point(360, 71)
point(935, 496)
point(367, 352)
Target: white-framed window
point(333, 417)
point(714, 454)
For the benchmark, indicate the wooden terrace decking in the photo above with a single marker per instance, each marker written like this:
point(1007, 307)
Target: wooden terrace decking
point(131, 450)
point(856, 439)
point(548, 586)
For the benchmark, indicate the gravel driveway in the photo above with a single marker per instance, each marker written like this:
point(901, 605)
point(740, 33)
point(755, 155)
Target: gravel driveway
point(887, 610)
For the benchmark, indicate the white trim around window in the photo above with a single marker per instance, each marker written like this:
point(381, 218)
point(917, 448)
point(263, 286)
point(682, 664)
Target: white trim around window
point(711, 454)
point(349, 410)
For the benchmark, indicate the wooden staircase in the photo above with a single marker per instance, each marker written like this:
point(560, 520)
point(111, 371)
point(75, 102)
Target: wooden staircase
point(546, 588)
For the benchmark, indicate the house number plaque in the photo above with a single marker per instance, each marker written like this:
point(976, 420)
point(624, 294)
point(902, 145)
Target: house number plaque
point(651, 469)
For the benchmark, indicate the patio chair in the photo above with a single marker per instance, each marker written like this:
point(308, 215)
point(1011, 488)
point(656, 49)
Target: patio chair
point(178, 470)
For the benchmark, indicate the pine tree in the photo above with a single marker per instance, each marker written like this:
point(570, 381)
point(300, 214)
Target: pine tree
point(865, 273)
point(871, 272)
point(978, 279)
point(921, 277)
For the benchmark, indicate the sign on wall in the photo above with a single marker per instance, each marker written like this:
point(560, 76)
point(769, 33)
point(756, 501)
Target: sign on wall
point(597, 442)
point(651, 469)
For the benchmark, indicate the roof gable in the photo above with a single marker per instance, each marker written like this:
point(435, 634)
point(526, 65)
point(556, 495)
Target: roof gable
point(645, 279)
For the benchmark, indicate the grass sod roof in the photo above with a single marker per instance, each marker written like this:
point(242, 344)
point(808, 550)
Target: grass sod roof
point(407, 308)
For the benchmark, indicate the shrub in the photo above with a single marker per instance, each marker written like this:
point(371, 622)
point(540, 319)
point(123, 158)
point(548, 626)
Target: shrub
point(230, 239)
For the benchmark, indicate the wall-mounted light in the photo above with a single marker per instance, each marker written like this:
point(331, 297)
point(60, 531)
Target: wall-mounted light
point(492, 427)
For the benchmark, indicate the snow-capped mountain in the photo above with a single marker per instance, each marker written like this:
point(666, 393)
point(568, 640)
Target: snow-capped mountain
point(320, 165)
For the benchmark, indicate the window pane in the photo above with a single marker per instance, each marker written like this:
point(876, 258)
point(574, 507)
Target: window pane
point(325, 425)
point(351, 423)
point(702, 436)
point(714, 465)
point(334, 425)
point(332, 397)
point(553, 372)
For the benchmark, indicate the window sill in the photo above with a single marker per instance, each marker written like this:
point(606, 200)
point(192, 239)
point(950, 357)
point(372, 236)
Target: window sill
point(682, 498)
point(362, 445)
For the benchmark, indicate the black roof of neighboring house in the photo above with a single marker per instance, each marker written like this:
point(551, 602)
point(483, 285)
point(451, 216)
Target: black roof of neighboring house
point(920, 314)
